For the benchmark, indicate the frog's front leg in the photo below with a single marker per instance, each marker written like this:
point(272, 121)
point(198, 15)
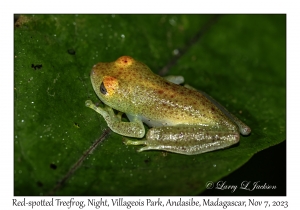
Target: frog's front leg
point(188, 140)
point(134, 128)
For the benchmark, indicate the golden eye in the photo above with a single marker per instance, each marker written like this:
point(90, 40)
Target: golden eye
point(103, 89)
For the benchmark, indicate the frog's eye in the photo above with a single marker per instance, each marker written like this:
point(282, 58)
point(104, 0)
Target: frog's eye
point(103, 89)
point(109, 85)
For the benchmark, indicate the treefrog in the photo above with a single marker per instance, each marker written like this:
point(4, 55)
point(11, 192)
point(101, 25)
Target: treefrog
point(181, 119)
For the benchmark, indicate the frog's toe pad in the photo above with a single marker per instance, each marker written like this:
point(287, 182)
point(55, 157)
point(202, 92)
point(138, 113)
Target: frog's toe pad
point(144, 149)
point(88, 103)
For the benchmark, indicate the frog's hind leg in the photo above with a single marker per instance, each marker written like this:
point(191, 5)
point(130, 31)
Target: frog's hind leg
point(243, 128)
point(189, 140)
point(127, 141)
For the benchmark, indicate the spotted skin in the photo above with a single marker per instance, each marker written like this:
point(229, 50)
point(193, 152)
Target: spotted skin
point(182, 119)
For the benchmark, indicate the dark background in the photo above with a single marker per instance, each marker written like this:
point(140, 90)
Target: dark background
point(267, 166)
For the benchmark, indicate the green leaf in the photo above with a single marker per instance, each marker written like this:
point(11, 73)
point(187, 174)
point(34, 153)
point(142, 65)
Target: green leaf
point(237, 59)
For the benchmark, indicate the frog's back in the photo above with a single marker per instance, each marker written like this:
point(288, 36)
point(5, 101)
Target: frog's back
point(136, 90)
point(174, 104)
